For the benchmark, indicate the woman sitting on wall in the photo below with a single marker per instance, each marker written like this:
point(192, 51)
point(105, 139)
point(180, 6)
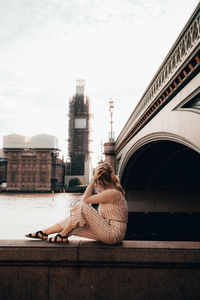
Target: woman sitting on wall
point(107, 225)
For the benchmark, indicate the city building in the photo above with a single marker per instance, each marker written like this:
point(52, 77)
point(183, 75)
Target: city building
point(79, 160)
point(32, 163)
point(3, 170)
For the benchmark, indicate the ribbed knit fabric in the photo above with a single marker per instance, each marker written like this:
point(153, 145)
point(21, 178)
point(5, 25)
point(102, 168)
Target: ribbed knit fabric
point(117, 211)
point(107, 225)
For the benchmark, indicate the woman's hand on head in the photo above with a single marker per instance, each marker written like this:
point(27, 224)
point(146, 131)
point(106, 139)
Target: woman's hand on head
point(96, 175)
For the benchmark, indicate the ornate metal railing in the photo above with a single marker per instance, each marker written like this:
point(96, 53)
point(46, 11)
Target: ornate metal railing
point(182, 59)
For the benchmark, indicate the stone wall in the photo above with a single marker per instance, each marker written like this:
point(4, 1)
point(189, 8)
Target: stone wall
point(34, 269)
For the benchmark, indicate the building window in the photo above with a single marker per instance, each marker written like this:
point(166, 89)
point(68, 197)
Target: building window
point(43, 168)
point(14, 167)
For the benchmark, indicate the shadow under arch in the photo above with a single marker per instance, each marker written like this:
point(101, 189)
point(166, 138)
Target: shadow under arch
point(161, 179)
point(147, 141)
point(162, 165)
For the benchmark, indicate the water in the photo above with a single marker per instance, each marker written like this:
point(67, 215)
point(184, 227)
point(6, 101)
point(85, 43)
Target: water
point(23, 213)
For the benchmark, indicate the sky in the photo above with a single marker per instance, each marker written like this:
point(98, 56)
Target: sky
point(116, 46)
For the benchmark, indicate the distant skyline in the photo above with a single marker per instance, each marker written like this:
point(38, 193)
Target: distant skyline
point(116, 46)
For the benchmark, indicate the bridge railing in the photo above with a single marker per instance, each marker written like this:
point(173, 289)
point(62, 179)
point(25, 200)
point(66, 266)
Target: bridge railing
point(181, 51)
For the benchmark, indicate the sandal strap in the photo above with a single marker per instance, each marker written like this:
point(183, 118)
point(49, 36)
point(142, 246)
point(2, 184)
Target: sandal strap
point(51, 240)
point(55, 238)
point(62, 236)
point(42, 233)
point(37, 234)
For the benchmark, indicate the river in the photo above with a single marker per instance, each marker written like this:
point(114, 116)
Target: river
point(22, 213)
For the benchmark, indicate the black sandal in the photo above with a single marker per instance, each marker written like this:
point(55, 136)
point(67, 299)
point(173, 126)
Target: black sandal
point(36, 236)
point(55, 239)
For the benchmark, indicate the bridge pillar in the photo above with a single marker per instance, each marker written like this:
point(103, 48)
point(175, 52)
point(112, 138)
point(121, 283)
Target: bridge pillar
point(109, 152)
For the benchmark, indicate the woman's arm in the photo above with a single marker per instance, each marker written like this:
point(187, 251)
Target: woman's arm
point(105, 196)
point(88, 191)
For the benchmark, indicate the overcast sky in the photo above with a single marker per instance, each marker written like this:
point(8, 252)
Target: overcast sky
point(115, 45)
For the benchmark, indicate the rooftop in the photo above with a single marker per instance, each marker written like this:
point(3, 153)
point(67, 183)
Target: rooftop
point(31, 142)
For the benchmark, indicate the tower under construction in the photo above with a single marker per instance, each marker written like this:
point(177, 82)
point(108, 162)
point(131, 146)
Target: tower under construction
point(79, 160)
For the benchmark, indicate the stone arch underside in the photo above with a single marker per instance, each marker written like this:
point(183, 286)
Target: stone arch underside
point(161, 179)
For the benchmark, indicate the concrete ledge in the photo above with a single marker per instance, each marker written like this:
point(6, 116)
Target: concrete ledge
point(95, 252)
point(24, 251)
point(91, 270)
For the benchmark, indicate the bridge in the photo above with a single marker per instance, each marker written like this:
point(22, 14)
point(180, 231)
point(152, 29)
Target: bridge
point(157, 152)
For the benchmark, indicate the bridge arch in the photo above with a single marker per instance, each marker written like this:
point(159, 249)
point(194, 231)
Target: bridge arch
point(161, 177)
point(148, 164)
point(152, 140)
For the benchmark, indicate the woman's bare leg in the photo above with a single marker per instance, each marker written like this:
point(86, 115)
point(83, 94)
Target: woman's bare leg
point(64, 231)
point(53, 229)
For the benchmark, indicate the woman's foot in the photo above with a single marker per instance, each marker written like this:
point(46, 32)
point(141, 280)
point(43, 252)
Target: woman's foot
point(58, 238)
point(37, 235)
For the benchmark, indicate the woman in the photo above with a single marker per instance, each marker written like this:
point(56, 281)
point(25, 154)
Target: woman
point(107, 225)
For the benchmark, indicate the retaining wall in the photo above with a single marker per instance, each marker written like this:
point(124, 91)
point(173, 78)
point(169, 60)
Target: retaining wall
point(34, 269)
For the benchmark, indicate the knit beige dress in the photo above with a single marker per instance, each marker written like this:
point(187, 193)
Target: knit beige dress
point(107, 225)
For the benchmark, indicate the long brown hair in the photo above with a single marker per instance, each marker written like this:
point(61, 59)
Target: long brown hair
point(107, 178)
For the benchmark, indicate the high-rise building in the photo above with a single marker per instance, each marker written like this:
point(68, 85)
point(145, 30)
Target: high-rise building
point(79, 136)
